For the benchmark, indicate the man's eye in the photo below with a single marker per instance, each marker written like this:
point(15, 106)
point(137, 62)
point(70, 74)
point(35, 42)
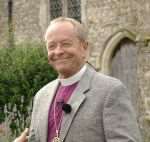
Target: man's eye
point(66, 44)
point(51, 47)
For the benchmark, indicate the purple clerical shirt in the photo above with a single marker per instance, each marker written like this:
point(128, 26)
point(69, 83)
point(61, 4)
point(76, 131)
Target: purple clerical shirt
point(62, 95)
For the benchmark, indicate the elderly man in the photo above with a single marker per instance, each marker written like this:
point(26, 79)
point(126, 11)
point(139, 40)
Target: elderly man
point(81, 105)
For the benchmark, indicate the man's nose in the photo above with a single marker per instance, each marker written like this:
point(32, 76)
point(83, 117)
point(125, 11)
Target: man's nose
point(59, 49)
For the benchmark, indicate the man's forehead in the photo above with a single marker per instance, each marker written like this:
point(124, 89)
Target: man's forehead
point(65, 39)
point(61, 25)
point(60, 30)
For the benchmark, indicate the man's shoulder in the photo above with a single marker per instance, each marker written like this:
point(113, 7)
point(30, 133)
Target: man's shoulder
point(106, 80)
point(99, 79)
point(100, 76)
point(46, 88)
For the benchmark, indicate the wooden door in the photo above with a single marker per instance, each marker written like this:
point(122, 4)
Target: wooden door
point(124, 67)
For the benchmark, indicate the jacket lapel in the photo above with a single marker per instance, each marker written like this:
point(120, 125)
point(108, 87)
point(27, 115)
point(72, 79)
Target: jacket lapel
point(77, 98)
point(49, 94)
point(68, 118)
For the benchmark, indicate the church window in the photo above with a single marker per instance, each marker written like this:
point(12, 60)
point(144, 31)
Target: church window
point(74, 9)
point(55, 8)
point(67, 8)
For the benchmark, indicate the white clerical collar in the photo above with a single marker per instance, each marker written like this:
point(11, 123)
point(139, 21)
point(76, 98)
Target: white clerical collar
point(73, 79)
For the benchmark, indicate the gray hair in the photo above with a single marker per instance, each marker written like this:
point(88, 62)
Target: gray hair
point(79, 28)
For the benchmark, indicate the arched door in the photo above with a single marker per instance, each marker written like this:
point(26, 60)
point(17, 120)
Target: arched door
point(124, 67)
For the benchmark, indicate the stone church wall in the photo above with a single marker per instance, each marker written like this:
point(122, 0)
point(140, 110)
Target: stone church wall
point(3, 23)
point(104, 18)
point(26, 20)
point(29, 20)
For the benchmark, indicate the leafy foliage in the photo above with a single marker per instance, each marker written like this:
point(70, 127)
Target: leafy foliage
point(23, 71)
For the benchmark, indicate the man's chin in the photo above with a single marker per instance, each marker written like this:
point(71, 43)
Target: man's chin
point(60, 69)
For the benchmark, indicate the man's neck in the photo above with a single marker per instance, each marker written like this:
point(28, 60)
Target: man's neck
point(74, 78)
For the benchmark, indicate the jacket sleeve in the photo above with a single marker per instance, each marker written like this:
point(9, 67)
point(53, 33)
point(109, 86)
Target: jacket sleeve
point(33, 134)
point(120, 124)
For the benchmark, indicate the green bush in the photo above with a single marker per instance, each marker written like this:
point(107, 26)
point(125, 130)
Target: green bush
point(24, 70)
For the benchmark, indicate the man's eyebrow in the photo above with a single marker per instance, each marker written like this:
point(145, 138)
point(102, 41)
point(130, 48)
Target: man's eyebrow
point(64, 40)
point(50, 42)
point(70, 40)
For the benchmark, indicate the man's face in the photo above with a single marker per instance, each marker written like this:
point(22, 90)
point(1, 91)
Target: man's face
point(66, 53)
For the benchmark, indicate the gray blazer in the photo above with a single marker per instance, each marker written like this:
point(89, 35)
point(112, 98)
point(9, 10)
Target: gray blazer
point(101, 112)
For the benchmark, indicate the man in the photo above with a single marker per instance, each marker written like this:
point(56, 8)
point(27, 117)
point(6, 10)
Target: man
point(82, 105)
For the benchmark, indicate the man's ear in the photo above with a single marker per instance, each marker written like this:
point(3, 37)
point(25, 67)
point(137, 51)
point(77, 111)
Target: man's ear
point(85, 45)
point(86, 50)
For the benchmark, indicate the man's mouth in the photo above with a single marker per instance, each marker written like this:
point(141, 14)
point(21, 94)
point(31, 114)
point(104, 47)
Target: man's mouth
point(62, 60)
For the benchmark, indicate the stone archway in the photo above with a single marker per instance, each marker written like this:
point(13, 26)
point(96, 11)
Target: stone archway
point(111, 45)
point(119, 60)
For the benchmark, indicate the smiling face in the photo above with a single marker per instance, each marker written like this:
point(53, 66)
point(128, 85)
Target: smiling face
point(66, 52)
